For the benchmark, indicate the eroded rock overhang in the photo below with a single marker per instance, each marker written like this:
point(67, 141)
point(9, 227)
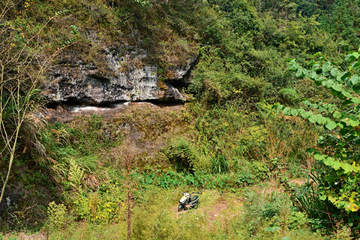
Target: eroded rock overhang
point(128, 78)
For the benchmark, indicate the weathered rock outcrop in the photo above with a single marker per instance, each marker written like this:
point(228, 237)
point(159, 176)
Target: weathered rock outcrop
point(9, 203)
point(129, 78)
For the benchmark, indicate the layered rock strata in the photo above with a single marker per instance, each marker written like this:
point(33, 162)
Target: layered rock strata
point(129, 78)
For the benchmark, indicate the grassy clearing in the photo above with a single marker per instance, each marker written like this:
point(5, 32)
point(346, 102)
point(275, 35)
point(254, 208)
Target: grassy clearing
point(249, 213)
point(86, 160)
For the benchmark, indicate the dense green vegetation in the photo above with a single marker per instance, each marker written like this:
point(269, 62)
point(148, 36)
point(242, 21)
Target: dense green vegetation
point(335, 176)
point(91, 179)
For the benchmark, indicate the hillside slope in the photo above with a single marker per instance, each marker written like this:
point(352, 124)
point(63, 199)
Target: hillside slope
point(177, 94)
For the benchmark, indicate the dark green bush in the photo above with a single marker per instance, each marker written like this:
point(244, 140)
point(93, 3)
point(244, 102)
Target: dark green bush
point(289, 96)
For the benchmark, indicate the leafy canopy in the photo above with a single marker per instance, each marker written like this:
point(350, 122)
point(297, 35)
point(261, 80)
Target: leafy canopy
point(339, 152)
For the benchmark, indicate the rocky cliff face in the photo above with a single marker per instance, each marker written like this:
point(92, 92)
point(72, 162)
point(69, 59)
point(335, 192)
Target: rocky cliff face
point(129, 78)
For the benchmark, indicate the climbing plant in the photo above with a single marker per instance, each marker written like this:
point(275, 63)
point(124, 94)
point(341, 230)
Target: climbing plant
point(338, 154)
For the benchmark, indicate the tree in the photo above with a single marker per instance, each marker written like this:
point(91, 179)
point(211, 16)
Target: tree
point(23, 63)
point(337, 174)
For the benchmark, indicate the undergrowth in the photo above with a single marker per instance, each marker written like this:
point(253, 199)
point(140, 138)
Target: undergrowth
point(87, 159)
point(227, 138)
point(259, 216)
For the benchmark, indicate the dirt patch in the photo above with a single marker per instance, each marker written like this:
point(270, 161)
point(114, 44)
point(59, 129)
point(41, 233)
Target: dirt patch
point(65, 114)
point(24, 236)
point(221, 200)
point(298, 181)
point(213, 215)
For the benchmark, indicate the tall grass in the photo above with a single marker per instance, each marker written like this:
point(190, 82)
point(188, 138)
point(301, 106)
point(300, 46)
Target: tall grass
point(219, 216)
point(227, 139)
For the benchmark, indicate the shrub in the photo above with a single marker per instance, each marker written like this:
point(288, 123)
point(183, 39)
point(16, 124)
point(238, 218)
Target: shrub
point(264, 207)
point(333, 192)
point(102, 206)
point(181, 155)
point(289, 96)
point(75, 174)
point(57, 214)
point(219, 164)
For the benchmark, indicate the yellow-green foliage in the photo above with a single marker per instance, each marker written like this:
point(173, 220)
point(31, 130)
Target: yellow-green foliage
point(57, 214)
point(102, 24)
point(75, 174)
point(241, 66)
point(101, 206)
point(219, 216)
point(227, 139)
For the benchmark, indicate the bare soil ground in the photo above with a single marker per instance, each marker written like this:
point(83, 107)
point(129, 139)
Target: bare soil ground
point(66, 114)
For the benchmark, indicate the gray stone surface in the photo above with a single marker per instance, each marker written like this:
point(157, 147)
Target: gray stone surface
point(128, 79)
point(9, 202)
